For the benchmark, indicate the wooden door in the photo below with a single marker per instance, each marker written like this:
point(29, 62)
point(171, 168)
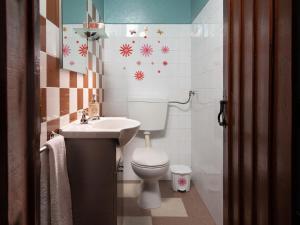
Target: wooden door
point(19, 112)
point(258, 91)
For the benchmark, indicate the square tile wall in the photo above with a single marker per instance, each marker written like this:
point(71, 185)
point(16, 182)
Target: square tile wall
point(64, 93)
point(207, 78)
point(152, 61)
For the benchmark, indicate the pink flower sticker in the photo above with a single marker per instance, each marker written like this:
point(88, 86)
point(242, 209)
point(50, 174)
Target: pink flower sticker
point(146, 50)
point(139, 75)
point(126, 50)
point(83, 50)
point(165, 63)
point(165, 49)
point(66, 50)
point(182, 181)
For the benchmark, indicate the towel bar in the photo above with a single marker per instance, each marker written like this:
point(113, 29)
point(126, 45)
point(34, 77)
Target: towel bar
point(52, 135)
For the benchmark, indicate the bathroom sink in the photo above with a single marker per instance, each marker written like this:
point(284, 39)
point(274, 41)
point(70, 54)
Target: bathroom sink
point(120, 128)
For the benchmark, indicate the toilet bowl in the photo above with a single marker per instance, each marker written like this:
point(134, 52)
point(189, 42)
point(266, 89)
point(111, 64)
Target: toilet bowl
point(149, 164)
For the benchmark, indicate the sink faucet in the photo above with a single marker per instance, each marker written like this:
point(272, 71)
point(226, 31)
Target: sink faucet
point(83, 120)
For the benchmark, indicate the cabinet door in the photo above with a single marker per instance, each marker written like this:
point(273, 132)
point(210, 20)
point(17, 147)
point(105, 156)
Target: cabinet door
point(92, 174)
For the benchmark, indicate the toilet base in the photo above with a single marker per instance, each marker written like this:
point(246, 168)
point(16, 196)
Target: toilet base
point(149, 197)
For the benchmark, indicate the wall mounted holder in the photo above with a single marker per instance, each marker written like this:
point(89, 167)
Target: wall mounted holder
point(91, 33)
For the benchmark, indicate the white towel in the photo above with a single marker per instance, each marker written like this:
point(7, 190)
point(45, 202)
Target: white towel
point(56, 204)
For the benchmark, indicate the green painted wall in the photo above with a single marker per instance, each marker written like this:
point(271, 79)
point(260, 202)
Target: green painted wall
point(74, 11)
point(147, 11)
point(135, 11)
point(196, 7)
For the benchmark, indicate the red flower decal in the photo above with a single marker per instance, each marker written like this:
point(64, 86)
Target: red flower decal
point(126, 50)
point(165, 49)
point(146, 50)
point(182, 181)
point(83, 49)
point(139, 75)
point(66, 50)
point(165, 63)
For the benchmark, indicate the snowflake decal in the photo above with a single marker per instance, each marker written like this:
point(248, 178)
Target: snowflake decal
point(146, 50)
point(182, 181)
point(83, 50)
point(165, 63)
point(66, 50)
point(126, 50)
point(139, 75)
point(165, 49)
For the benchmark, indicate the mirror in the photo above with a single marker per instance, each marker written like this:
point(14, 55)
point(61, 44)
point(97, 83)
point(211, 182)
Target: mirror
point(74, 47)
point(81, 32)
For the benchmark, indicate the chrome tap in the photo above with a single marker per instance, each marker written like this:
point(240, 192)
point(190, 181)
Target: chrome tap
point(83, 120)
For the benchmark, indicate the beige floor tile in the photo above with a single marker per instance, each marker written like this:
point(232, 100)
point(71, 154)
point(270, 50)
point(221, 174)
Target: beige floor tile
point(170, 207)
point(135, 220)
point(128, 190)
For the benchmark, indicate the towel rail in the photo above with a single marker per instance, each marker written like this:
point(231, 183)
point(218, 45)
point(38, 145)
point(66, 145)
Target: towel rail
point(44, 148)
point(52, 135)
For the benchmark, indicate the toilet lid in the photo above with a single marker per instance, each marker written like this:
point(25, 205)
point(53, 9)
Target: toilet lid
point(150, 157)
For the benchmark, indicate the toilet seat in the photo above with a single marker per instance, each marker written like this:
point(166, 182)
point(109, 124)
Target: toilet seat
point(150, 158)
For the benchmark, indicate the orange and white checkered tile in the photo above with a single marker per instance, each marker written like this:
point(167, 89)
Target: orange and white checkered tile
point(63, 93)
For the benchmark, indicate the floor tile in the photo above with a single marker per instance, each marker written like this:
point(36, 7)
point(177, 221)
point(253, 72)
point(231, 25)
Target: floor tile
point(128, 190)
point(139, 220)
point(170, 207)
point(131, 208)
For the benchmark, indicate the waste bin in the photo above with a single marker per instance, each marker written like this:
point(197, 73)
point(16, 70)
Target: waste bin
point(181, 177)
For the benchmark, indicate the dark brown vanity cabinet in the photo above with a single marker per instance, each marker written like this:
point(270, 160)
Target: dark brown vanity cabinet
point(92, 173)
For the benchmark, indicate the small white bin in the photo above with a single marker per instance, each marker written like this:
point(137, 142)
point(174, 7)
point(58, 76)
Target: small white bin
point(181, 177)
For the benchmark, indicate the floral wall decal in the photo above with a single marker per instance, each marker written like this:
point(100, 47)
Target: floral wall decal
point(74, 49)
point(126, 50)
point(132, 32)
point(66, 50)
point(83, 49)
point(160, 32)
point(165, 49)
point(139, 75)
point(146, 50)
point(138, 63)
point(165, 63)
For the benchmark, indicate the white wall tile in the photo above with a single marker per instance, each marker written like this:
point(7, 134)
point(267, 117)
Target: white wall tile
point(52, 40)
point(85, 98)
point(53, 108)
point(43, 69)
point(73, 100)
point(43, 136)
point(207, 81)
point(64, 120)
point(80, 80)
point(64, 78)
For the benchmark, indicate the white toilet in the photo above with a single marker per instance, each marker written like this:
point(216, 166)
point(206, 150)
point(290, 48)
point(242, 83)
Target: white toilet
point(148, 163)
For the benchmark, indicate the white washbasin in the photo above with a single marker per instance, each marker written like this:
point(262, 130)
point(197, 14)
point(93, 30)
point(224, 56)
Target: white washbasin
point(120, 128)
